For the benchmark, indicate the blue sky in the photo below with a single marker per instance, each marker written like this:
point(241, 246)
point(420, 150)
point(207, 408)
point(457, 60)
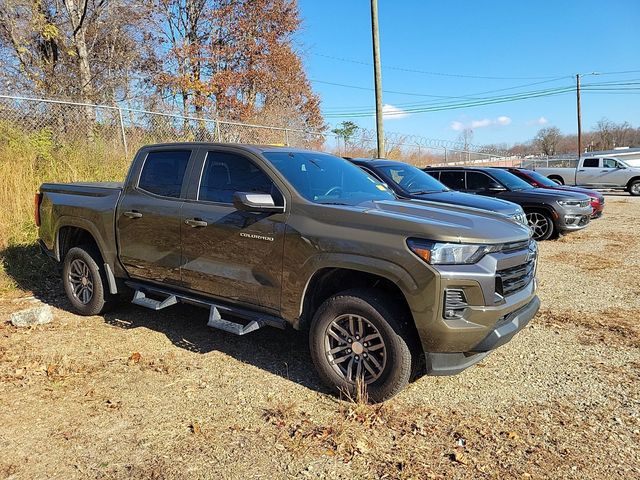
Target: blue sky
point(523, 42)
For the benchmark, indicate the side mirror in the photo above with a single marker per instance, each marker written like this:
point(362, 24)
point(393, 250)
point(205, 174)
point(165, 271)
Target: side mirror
point(256, 202)
point(496, 189)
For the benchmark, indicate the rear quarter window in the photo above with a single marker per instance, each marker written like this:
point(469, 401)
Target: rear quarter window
point(163, 172)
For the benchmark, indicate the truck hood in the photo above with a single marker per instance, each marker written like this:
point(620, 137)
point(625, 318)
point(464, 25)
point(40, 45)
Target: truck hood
point(409, 218)
point(469, 200)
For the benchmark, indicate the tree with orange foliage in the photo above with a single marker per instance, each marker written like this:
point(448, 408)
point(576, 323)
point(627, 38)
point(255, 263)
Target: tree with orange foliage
point(236, 59)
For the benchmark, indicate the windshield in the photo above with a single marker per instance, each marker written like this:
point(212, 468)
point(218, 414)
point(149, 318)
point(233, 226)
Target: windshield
point(323, 178)
point(509, 180)
point(411, 179)
point(539, 178)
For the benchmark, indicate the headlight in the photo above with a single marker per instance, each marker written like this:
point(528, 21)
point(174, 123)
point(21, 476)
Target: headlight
point(520, 217)
point(449, 253)
point(570, 203)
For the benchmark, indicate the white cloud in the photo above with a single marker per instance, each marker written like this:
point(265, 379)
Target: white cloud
point(390, 112)
point(502, 120)
point(457, 126)
point(538, 121)
point(485, 122)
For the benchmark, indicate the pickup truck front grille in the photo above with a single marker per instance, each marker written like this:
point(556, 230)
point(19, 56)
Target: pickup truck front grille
point(514, 279)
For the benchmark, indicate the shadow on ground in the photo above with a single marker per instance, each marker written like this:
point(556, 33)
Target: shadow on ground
point(281, 352)
point(26, 268)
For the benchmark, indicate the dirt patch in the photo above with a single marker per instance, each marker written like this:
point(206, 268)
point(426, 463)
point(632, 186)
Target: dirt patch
point(140, 394)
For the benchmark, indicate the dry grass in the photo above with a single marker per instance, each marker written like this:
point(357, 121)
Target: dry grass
point(26, 161)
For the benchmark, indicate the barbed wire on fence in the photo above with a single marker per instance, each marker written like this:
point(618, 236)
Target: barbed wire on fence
point(129, 128)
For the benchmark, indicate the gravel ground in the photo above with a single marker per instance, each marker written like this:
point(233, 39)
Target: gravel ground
point(138, 394)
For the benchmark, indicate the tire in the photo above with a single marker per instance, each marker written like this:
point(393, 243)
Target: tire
point(385, 362)
point(541, 224)
point(557, 179)
point(634, 188)
point(85, 281)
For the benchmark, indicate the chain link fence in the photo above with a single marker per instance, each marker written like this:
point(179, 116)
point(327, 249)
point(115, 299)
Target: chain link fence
point(124, 130)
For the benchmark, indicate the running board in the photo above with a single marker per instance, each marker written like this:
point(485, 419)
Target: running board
point(256, 320)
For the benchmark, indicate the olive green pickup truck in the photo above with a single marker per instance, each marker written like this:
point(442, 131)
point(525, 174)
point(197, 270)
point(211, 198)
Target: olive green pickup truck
point(386, 289)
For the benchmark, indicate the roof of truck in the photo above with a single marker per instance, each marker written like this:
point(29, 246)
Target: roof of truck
point(255, 148)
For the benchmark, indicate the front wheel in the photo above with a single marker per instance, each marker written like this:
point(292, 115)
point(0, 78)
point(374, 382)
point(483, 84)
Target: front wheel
point(359, 337)
point(634, 188)
point(541, 225)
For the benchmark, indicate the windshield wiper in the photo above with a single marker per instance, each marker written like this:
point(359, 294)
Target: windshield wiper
point(424, 192)
point(333, 203)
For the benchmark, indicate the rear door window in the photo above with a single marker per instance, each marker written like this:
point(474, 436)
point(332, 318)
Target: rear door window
point(591, 162)
point(226, 173)
point(163, 172)
point(453, 179)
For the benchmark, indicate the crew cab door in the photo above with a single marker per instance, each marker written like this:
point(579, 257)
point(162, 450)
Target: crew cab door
point(148, 219)
point(611, 173)
point(228, 253)
point(588, 172)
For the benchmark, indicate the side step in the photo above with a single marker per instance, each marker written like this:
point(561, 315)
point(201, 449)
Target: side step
point(216, 321)
point(256, 320)
point(139, 298)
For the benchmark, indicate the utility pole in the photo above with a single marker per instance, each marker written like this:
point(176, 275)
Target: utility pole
point(579, 116)
point(377, 77)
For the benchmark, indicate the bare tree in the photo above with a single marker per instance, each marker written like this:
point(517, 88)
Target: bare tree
point(547, 139)
point(465, 139)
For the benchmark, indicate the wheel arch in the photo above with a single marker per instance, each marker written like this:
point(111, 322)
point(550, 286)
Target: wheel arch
point(555, 176)
point(76, 232)
point(330, 280)
point(632, 180)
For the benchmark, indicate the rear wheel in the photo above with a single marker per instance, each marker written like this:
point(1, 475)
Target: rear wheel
point(541, 224)
point(634, 188)
point(359, 337)
point(85, 281)
point(556, 179)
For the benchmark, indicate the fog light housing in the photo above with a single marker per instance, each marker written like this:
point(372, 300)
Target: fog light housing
point(455, 303)
point(571, 219)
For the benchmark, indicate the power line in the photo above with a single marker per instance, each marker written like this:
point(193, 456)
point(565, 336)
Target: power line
point(470, 96)
point(439, 106)
point(440, 74)
point(454, 106)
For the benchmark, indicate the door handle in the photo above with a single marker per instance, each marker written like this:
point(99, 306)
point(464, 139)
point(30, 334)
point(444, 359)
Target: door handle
point(195, 222)
point(604, 171)
point(132, 214)
point(581, 170)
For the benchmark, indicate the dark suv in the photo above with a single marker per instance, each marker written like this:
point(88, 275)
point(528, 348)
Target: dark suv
point(540, 181)
point(549, 212)
point(409, 182)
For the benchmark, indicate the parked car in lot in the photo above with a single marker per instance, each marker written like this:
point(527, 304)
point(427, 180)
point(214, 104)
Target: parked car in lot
point(540, 181)
point(549, 212)
point(410, 182)
point(285, 237)
point(597, 172)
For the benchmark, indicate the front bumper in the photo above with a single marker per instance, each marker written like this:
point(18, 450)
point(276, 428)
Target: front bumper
point(500, 294)
point(571, 219)
point(452, 363)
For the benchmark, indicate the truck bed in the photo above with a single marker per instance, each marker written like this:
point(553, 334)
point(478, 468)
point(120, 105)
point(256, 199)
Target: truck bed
point(87, 205)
